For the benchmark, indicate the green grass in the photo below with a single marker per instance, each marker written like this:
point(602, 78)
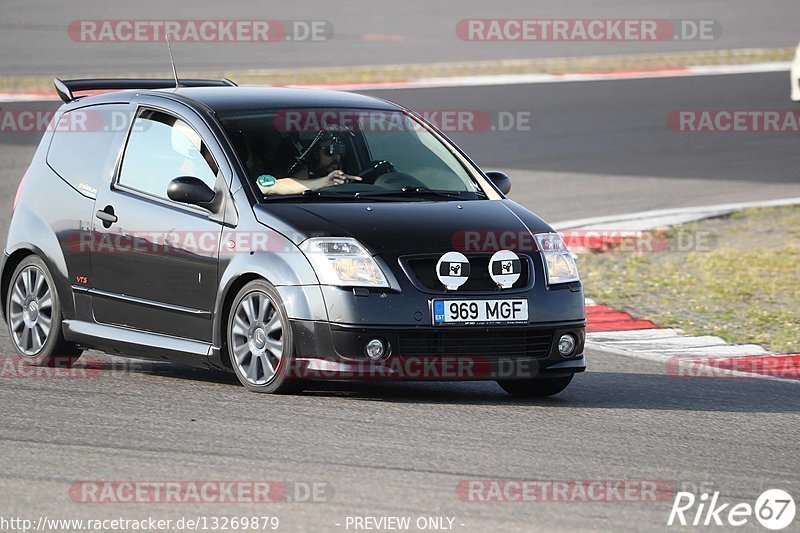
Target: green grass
point(743, 284)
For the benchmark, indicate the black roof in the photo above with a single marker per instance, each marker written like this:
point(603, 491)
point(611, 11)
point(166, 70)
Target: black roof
point(224, 100)
point(229, 99)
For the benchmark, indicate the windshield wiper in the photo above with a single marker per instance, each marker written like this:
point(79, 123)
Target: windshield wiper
point(408, 192)
point(309, 194)
point(414, 191)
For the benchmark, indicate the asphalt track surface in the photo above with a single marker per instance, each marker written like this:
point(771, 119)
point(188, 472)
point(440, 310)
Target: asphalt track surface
point(365, 32)
point(403, 448)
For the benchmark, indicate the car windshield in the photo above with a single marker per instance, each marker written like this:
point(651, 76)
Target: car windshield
point(346, 154)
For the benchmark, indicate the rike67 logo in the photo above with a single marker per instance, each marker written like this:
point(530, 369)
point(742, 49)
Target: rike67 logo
point(774, 509)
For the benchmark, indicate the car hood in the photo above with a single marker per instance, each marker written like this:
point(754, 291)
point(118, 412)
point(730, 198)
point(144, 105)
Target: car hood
point(408, 227)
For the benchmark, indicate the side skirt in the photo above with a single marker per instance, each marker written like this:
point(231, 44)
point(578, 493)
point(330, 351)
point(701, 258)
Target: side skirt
point(128, 342)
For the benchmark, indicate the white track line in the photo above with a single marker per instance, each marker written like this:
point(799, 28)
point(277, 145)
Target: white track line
point(661, 218)
point(671, 342)
point(610, 348)
point(506, 79)
point(670, 346)
point(27, 97)
point(525, 79)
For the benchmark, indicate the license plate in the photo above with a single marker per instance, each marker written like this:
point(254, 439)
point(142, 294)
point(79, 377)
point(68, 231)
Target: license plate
point(479, 311)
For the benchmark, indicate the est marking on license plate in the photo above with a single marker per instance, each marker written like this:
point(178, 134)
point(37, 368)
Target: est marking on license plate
point(479, 311)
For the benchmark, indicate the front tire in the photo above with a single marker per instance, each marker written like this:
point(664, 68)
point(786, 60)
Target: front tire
point(535, 388)
point(33, 311)
point(260, 344)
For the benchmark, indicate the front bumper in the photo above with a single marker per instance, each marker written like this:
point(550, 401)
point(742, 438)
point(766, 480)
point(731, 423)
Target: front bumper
point(335, 351)
point(402, 317)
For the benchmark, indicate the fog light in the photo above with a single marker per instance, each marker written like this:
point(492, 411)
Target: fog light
point(566, 345)
point(375, 349)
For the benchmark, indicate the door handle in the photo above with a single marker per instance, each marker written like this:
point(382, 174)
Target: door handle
point(107, 216)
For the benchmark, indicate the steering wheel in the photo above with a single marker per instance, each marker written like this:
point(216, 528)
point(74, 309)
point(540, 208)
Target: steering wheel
point(398, 180)
point(374, 170)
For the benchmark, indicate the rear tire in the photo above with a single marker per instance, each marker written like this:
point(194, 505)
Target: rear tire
point(535, 388)
point(33, 312)
point(260, 343)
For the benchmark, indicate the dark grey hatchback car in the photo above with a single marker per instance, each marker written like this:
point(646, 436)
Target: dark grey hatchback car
point(286, 235)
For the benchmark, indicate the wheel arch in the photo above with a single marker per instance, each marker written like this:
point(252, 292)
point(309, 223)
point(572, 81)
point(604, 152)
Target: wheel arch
point(302, 302)
point(289, 272)
point(31, 234)
point(19, 254)
point(9, 266)
point(221, 318)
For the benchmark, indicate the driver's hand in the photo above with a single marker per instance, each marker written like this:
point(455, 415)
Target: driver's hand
point(337, 177)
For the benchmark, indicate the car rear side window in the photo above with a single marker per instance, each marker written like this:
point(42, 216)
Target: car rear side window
point(160, 148)
point(86, 143)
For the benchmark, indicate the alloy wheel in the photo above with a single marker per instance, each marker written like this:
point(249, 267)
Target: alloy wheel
point(31, 310)
point(257, 338)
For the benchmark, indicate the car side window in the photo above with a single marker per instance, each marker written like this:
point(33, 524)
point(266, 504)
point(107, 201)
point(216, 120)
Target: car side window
point(161, 148)
point(85, 145)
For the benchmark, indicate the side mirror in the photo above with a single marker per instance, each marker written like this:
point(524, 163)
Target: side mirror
point(500, 180)
point(190, 190)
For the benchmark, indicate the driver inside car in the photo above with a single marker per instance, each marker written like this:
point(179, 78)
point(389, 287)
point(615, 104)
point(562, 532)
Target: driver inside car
point(318, 165)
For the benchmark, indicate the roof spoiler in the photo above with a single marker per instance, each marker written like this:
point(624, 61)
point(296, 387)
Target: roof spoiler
point(66, 88)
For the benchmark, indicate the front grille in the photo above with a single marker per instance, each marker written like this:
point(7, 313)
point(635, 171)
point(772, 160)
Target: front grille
point(422, 269)
point(487, 342)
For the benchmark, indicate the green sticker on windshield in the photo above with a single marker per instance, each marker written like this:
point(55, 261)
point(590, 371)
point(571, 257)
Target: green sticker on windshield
point(266, 180)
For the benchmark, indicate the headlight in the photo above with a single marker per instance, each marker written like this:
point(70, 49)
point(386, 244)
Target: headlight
point(558, 261)
point(343, 261)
